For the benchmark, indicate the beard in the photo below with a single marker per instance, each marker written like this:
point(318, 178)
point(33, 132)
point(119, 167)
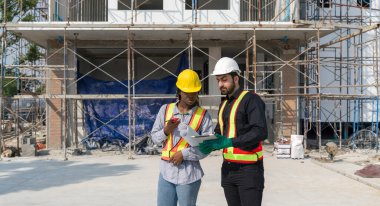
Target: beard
point(228, 91)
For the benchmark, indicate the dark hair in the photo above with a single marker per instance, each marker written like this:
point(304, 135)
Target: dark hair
point(234, 74)
point(178, 95)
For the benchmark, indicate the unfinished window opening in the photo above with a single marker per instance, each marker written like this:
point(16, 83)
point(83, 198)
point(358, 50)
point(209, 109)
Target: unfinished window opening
point(364, 3)
point(323, 3)
point(141, 5)
point(258, 10)
point(96, 10)
point(208, 4)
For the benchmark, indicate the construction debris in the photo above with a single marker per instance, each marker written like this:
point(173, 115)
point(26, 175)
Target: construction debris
point(331, 149)
point(10, 152)
point(369, 171)
point(282, 148)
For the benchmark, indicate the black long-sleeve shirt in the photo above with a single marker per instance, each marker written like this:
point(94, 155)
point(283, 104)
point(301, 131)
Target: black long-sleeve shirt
point(251, 127)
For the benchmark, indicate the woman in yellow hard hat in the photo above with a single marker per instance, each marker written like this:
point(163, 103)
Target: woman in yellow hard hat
point(180, 170)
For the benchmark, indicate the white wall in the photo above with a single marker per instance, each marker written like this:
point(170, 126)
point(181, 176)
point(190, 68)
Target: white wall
point(174, 13)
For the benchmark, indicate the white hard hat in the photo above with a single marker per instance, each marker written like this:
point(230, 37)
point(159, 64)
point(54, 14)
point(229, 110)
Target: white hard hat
point(226, 65)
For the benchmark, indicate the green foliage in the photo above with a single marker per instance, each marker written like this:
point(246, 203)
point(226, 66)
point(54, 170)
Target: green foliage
point(10, 84)
point(41, 90)
point(28, 17)
point(9, 87)
point(32, 55)
point(17, 9)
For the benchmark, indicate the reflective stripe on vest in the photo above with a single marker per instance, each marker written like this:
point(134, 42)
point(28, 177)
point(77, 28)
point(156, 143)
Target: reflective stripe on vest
point(195, 123)
point(232, 154)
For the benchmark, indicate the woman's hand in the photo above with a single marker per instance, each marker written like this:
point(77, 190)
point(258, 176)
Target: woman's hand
point(177, 158)
point(171, 125)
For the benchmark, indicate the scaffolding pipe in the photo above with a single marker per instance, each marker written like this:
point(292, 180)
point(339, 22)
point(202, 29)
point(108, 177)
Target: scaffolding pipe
point(246, 74)
point(64, 98)
point(250, 10)
point(133, 94)
point(340, 91)
point(75, 102)
point(351, 35)
point(306, 100)
point(281, 102)
point(259, 8)
point(191, 62)
point(2, 71)
point(18, 92)
point(319, 135)
point(377, 91)
point(355, 125)
point(17, 130)
point(129, 96)
point(194, 7)
point(132, 9)
point(254, 50)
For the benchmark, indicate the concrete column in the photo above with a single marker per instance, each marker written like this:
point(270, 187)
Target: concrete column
point(215, 52)
point(289, 104)
point(54, 86)
point(212, 104)
point(54, 119)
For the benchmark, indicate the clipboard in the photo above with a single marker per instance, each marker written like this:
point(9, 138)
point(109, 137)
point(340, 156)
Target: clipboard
point(194, 139)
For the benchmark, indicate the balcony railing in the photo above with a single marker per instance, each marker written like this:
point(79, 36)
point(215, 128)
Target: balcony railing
point(79, 10)
point(264, 10)
point(201, 11)
point(173, 11)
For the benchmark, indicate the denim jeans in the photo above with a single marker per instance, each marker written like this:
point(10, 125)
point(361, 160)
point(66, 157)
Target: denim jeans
point(169, 193)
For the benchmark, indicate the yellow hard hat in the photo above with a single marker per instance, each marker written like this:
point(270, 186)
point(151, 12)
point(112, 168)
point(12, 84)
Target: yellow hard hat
point(188, 81)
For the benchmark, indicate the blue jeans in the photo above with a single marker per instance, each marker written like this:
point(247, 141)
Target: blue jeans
point(169, 193)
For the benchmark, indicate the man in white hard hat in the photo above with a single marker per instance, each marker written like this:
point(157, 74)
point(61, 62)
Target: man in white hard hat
point(240, 130)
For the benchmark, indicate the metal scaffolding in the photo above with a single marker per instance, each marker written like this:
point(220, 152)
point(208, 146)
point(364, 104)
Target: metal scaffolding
point(265, 77)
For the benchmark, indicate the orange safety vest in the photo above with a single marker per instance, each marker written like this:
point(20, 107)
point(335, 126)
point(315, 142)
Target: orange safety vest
point(195, 123)
point(232, 154)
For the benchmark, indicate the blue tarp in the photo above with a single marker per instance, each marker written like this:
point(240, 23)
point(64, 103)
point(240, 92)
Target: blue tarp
point(99, 112)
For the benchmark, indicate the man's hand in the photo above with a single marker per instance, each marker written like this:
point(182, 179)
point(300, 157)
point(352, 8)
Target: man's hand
point(205, 149)
point(177, 158)
point(216, 144)
point(171, 125)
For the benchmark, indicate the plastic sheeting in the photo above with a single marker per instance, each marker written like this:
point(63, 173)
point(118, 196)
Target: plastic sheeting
point(99, 115)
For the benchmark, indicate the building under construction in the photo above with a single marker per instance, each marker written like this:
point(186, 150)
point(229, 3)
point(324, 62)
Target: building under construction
point(109, 65)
